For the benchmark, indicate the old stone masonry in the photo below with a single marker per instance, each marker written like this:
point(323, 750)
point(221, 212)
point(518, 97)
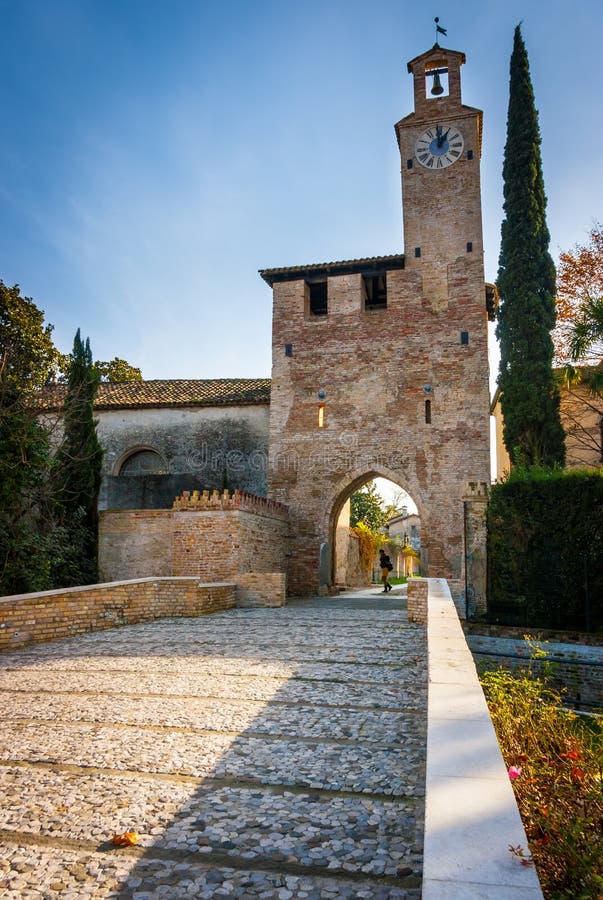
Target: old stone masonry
point(257, 753)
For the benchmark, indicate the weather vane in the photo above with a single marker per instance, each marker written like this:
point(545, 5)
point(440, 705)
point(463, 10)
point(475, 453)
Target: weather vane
point(439, 29)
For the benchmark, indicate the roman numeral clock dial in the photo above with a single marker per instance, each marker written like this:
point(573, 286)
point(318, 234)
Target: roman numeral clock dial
point(438, 147)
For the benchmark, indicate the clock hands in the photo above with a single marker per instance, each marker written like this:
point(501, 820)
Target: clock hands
point(440, 136)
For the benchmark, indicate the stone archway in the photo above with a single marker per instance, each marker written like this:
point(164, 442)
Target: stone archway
point(337, 526)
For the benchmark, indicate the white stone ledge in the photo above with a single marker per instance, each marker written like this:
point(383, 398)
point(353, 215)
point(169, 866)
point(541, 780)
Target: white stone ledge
point(471, 817)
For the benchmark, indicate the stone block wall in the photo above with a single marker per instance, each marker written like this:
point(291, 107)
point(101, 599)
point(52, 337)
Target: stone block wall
point(49, 615)
point(574, 669)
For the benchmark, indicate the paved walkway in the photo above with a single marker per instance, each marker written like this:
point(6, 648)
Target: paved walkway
point(258, 753)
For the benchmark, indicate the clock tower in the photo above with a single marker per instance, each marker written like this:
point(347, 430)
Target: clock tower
point(440, 148)
point(380, 364)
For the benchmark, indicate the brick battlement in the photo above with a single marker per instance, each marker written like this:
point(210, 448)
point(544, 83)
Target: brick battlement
point(238, 500)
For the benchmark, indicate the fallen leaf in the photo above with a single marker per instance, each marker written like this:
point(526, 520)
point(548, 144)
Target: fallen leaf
point(127, 839)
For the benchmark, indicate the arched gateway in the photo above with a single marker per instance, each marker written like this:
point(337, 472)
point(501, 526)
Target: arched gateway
point(380, 365)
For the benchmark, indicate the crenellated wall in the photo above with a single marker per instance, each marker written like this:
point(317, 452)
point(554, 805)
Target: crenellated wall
point(211, 536)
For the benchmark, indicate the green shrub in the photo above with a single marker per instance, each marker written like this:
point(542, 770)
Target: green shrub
point(556, 763)
point(545, 550)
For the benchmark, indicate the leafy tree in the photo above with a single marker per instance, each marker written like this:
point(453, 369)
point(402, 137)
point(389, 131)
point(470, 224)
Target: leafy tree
point(578, 341)
point(526, 282)
point(587, 334)
point(579, 333)
point(366, 507)
point(77, 469)
point(117, 370)
point(27, 358)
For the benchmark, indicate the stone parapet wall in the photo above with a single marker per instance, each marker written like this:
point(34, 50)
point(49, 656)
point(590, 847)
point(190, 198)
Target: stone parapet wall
point(49, 615)
point(471, 816)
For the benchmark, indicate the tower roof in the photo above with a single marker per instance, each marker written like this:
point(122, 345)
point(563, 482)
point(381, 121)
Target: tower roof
point(435, 51)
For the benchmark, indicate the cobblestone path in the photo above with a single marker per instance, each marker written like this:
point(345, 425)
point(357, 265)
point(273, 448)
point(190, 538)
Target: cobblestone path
point(258, 753)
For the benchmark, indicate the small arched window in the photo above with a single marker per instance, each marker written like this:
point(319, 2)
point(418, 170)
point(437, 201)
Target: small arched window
point(143, 462)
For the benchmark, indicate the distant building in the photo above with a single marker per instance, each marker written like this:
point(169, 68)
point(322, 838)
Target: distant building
point(582, 420)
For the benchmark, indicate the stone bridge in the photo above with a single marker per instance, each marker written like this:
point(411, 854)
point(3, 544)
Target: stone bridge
point(290, 752)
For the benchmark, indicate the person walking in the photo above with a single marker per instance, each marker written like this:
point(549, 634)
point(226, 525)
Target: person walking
point(386, 567)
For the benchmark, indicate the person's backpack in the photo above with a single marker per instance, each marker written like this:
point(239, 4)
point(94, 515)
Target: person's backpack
point(389, 565)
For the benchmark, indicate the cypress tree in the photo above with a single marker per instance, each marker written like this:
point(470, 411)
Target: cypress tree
point(526, 282)
point(77, 472)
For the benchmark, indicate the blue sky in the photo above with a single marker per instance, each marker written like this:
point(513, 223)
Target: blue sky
point(157, 153)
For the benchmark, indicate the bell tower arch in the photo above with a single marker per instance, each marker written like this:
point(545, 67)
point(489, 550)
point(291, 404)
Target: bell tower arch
point(381, 363)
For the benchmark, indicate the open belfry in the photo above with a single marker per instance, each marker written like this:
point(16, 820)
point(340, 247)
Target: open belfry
point(380, 365)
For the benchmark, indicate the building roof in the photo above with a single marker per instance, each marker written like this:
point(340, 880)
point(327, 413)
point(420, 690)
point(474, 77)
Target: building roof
point(341, 267)
point(178, 392)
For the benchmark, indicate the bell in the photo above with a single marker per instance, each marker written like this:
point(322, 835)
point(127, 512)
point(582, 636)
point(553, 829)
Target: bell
point(437, 88)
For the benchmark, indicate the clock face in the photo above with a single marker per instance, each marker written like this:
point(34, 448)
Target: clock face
point(439, 146)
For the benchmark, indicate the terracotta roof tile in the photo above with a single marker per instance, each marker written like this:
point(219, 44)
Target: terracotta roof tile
point(342, 266)
point(178, 392)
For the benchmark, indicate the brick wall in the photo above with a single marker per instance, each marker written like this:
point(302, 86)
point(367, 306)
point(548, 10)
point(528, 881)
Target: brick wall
point(372, 367)
point(418, 589)
point(135, 544)
point(46, 616)
point(265, 589)
point(215, 537)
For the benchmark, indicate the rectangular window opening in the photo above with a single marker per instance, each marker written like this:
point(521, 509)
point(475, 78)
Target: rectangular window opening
point(417, 252)
point(469, 154)
point(464, 337)
point(428, 412)
point(469, 246)
point(317, 292)
point(321, 415)
point(374, 292)
point(288, 349)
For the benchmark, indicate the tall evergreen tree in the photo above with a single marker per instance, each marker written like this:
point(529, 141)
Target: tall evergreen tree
point(27, 528)
point(526, 282)
point(77, 472)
